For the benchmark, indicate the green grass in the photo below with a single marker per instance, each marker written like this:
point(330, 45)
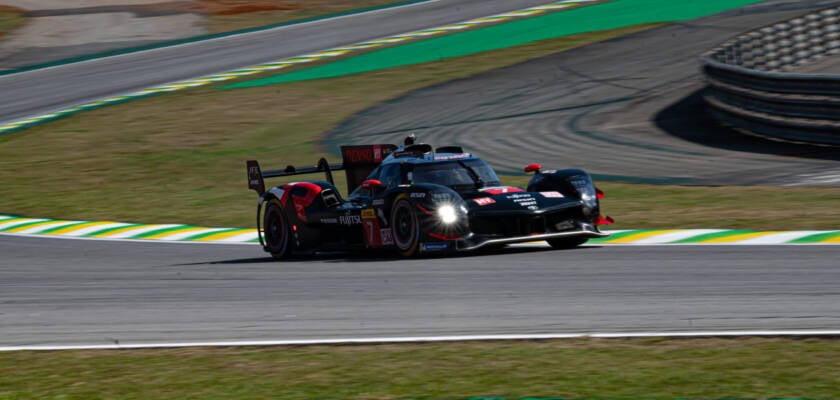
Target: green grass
point(180, 157)
point(10, 18)
point(606, 369)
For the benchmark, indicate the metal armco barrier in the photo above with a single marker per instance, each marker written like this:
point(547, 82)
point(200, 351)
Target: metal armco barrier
point(753, 85)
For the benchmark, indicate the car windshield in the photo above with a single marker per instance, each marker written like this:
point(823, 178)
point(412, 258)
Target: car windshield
point(460, 174)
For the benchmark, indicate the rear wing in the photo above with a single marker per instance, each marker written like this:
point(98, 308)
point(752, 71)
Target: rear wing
point(358, 162)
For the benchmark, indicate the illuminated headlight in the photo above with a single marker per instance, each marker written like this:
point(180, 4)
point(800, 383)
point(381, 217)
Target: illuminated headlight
point(447, 214)
point(584, 186)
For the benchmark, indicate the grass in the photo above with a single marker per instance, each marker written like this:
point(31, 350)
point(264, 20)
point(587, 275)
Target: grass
point(180, 157)
point(10, 18)
point(611, 369)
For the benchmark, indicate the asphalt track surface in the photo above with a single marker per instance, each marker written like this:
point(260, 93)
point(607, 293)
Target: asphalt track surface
point(626, 109)
point(40, 91)
point(59, 291)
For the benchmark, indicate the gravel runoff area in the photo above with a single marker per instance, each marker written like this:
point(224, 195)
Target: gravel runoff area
point(57, 29)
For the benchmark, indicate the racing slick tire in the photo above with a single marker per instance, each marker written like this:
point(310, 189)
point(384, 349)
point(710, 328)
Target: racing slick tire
point(567, 243)
point(276, 231)
point(405, 225)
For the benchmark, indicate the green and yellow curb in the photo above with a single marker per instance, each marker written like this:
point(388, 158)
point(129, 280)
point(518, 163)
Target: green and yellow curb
point(10, 225)
point(110, 230)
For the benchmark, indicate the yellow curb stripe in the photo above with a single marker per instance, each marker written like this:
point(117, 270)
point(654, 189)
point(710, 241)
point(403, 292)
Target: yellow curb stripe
point(14, 221)
point(835, 239)
point(224, 235)
point(116, 231)
point(164, 235)
point(38, 225)
point(638, 236)
point(739, 237)
point(74, 228)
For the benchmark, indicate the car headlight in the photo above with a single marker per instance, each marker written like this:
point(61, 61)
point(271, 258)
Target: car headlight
point(584, 186)
point(447, 214)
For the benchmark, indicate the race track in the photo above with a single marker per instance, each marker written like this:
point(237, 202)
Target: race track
point(626, 109)
point(44, 90)
point(59, 291)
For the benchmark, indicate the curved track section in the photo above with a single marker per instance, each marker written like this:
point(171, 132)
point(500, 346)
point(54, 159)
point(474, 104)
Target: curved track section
point(624, 109)
point(58, 291)
point(44, 90)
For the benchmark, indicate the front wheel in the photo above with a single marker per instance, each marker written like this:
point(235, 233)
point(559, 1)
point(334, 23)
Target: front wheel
point(567, 243)
point(277, 232)
point(405, 226)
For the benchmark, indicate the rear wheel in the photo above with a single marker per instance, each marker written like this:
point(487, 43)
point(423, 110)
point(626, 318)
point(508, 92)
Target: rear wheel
point(277, 231)
point(405, 226)
point(567, 243)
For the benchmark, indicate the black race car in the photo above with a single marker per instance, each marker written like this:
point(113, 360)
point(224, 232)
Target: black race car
point(417, 200)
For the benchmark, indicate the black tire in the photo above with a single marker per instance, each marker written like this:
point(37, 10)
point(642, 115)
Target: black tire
point(276, 231)
point(405, 226)
point(567, 243)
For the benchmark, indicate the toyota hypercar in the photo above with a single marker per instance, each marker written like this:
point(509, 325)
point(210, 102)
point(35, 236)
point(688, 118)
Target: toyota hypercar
point(417, 200)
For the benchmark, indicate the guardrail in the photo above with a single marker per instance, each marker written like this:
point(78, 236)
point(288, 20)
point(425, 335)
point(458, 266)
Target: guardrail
point(753, 86)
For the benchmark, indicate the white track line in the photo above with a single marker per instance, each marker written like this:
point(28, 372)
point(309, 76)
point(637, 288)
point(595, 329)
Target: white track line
point(427, 339)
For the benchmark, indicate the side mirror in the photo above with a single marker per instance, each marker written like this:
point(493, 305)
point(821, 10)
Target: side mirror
point(533, 168)
point(371, 184)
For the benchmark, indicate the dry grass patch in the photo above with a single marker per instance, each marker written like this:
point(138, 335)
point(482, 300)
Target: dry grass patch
point(10, 18)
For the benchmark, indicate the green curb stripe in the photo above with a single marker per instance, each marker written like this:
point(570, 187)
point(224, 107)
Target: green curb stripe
point(57, 228)
point(250, 70)
point(206, 234)
point(709, 236)
point(106, 231)
point(615, 236)
point(828, 237)
point(162, 230)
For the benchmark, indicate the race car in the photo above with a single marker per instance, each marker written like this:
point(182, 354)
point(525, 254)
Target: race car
point(417, 200)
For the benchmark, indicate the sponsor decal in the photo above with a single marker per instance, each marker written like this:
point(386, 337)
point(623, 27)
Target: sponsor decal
point(387, 236)
point(418, 195)
point(524, 200)
point(441, 196)
point(379, 202)
point(350, 220)
point(435, 246)
point(368, 214)
point(555, 195)
point(329, 220)
point(484, 201)
point(502, 189)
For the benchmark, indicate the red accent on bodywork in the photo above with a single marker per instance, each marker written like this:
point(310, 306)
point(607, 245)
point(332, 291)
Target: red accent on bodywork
point(502, 189)
point(533, 168)
point(604, 220)
point(301, 202)
point(599, 193)
point(371, 184)
point(425, 210)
